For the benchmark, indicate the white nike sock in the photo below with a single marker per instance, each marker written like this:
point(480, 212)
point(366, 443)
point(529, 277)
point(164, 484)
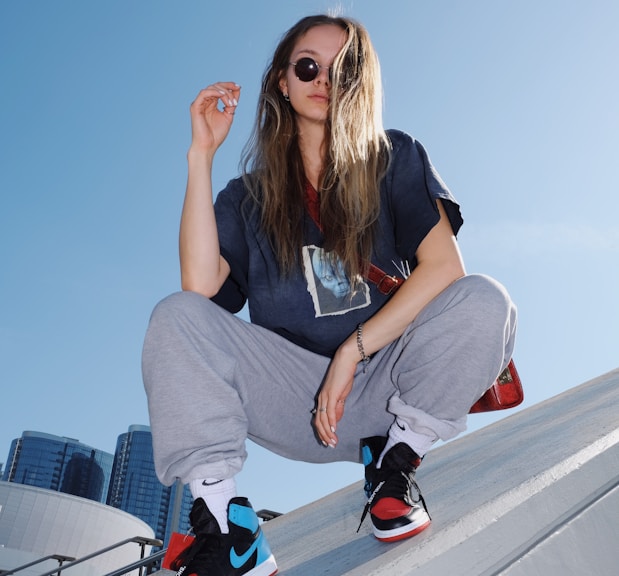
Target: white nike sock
point(216, 493)
point(400, 432)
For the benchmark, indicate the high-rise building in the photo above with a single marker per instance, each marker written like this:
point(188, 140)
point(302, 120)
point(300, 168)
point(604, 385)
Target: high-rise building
point(135, 488)
point(60, 464)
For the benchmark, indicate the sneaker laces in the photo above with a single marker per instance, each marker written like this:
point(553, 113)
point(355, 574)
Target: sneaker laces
point(397, 484)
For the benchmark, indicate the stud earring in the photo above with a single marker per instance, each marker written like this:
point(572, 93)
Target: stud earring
point(286, 97)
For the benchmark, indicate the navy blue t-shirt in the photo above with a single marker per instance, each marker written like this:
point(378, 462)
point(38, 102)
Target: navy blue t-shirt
point(315, 306)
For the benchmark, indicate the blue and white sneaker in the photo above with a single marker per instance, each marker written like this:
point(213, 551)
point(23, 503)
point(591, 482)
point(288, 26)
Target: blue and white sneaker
point(244, 551)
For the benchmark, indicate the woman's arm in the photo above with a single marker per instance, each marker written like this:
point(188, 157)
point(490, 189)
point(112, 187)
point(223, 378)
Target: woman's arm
point(203, 270)
point(439, 263)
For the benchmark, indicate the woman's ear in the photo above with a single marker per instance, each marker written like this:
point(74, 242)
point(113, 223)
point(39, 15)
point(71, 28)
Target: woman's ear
point(283, 86)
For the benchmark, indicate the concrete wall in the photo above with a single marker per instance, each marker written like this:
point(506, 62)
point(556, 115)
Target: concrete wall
point(536, 493)
point(35, 523)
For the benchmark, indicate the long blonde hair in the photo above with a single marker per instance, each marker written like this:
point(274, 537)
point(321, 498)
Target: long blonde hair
point(356, 155)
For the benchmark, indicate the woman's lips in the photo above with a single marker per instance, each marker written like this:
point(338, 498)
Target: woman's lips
point(320, 97)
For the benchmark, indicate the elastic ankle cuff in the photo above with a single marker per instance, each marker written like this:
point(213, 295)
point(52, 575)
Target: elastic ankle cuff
point(401, 432)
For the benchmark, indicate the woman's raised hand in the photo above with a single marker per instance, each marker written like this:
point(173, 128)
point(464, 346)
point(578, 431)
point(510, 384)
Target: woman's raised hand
point(210, 124)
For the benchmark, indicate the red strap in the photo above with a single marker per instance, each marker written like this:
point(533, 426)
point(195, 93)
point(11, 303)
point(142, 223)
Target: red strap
point(385, 283)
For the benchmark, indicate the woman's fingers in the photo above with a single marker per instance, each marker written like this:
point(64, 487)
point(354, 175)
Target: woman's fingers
point(212, 113)
point(231, 93)
point(324, 428)
point(228, 93)
point(327, 414)
point(336, 387)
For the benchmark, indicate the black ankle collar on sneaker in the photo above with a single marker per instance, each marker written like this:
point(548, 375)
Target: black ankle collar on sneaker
point(202, 520)
point(401, 457)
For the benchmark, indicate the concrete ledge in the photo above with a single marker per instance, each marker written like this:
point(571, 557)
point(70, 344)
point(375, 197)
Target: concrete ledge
point(535, 493)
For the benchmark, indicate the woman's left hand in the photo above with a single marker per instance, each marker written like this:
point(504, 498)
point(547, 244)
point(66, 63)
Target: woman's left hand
point(331, 399)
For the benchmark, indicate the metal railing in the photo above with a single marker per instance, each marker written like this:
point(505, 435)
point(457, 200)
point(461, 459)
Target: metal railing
point(149, 563)
point(59, 557)
point(141, 540)
point(267, 515)
point(153, 560)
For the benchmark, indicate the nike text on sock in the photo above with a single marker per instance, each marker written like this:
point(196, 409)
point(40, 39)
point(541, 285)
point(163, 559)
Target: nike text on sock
point(216, 493)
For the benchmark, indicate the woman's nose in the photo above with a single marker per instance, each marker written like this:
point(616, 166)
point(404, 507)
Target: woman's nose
point(324, 75)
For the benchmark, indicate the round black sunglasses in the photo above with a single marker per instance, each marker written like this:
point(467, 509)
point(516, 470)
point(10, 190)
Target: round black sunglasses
point(306, 69)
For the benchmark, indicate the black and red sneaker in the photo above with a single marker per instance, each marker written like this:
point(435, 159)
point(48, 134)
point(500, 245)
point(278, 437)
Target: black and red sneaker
point(395, 503)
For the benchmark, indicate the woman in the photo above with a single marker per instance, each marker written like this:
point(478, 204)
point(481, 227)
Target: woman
point(320, 370)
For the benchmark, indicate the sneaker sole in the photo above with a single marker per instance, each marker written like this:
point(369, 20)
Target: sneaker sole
point(266, 568)
point(400, 533)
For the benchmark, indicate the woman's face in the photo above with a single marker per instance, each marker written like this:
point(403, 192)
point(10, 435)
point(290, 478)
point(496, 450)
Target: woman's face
point(310, 100)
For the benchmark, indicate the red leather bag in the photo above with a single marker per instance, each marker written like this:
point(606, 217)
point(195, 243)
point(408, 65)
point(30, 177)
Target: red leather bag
point(506, 392)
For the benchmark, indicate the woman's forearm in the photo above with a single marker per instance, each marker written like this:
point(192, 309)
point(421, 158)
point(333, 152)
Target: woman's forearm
point(390, 322)
point(439, 265)
point(203, 270)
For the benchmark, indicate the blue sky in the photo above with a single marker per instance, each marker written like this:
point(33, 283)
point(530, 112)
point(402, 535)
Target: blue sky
point(517, 103)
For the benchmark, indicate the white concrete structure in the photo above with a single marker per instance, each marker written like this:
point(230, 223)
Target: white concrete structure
point(35, 523)
point(536, 493)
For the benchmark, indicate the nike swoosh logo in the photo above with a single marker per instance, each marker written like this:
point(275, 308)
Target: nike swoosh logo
point(238, 561)
point(400, 426)
point(205, 483)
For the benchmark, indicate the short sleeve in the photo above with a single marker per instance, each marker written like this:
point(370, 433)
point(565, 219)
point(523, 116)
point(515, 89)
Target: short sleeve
point(413, 186)
point(232, 245)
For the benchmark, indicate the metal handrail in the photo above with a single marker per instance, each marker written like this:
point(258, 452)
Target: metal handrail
point(267, 514)
point(139, 564)
point(141, 540)
point(60, 557)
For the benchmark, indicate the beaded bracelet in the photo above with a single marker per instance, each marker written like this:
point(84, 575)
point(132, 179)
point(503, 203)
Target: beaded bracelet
point(364, 358)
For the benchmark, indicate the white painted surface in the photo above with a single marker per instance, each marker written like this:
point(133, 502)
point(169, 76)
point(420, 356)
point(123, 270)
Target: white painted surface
point(35, 523)
point(536, 493)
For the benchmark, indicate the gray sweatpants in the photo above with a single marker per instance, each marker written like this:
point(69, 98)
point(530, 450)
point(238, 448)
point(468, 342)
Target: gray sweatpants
point(214, 380)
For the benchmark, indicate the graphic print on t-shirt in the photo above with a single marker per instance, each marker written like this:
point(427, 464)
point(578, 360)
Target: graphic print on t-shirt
point(330, 288)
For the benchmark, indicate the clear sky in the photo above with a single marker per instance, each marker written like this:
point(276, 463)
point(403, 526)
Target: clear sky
point(516, 101)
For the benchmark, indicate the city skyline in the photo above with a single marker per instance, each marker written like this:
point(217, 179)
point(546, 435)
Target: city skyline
point(59, 463)
point(125, 479)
